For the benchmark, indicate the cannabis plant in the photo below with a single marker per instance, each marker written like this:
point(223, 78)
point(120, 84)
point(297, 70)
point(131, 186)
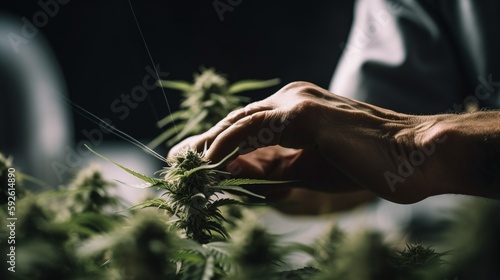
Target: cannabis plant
point(141, 248)
point(205, 102)
point(254, 251)
point(365, 256)
point(5, 166)
point(87, 193)
point(190, 239)
point(193, 195)
point(198, 229)
point(473, 239)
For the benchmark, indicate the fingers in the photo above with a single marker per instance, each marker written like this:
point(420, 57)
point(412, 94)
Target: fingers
point(198, 141)
point(248, 133)
point(250, 109)
point(195, 142)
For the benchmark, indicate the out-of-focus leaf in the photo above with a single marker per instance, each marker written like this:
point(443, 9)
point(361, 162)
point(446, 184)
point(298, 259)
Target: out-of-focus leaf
point(178, 85)
point(188, 127)
point(245, 85)
point(164, 136)
point(158, 202)
point(171, 118)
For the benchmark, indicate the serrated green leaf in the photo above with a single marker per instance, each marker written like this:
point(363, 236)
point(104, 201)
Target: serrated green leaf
point(220, 253)
point(189, 257)
point(246, 85)
point(155, 202)
point(240, 190)
point(239, 182)
point(216, 226)
point(222, 202)
point(136, 174)
point(143, 185)
point(211, 166)
point(178, 85)
point(188, 244)
point(217, 215)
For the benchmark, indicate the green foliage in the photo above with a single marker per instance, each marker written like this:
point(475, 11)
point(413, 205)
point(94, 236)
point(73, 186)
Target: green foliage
point(89, 192)
point(196, 231)
point(254, 250)
point(299, 274)
point(473, 240)
point(90, 241)
point(205, 102)
point(5, 164)
point(193, 194)
point(51, 224)
point(325, 249)
point(141, 247)
point(416, 255)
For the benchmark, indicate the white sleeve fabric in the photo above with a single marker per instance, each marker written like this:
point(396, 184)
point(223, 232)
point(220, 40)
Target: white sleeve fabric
point(422, 57)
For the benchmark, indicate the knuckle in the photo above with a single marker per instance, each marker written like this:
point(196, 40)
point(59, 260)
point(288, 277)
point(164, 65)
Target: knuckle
point(304, 106)
point(304, 90)
point(298, 85)
point(234, 114)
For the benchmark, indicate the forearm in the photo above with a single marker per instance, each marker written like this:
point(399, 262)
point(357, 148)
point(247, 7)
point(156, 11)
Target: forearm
point(407, 158)
point(340, 144)
point(475, 143)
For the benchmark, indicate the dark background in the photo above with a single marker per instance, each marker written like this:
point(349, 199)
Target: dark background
point(102, 55)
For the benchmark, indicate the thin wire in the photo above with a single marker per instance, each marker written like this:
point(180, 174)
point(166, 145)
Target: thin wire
point(95, 119)
point(153, 64)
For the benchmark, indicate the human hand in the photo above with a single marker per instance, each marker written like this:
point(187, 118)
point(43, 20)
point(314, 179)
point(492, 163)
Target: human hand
point(337, 144)
point(259, 158)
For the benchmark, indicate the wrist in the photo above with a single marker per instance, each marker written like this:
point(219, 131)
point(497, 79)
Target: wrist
point(470, 149)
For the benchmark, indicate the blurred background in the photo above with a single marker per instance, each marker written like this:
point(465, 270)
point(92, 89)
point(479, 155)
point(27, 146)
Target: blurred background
point(94, 54)
point(58, 55)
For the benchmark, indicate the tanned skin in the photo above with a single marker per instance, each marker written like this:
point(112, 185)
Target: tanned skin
point(335, 144)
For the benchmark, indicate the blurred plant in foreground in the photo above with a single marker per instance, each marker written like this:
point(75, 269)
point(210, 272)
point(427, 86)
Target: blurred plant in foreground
point(205, 102)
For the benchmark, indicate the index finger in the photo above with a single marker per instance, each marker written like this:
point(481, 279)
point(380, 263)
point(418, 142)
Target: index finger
point(198, 141)
point(247, 134)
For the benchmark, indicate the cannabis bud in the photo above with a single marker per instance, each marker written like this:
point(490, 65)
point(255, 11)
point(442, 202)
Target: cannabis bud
point(205, 102)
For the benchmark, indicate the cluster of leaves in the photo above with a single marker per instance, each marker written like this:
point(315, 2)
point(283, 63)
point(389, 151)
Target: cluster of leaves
point(5, 165)
point(193, 195)
point(90, 241)
point(50, 225)
point(195, 230)
point(206, 100)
